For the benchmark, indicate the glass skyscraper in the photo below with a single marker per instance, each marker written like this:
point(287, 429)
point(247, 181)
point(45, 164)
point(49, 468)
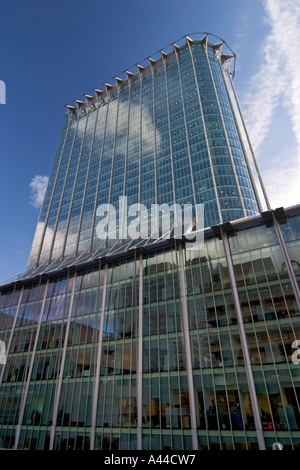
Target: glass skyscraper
point(142, 343)
point(167, 133)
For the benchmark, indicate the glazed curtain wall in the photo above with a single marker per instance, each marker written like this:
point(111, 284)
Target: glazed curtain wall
point(168, 134)
point(103, 359)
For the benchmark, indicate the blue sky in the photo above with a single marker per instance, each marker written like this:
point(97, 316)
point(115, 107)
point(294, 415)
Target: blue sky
point(53, 51)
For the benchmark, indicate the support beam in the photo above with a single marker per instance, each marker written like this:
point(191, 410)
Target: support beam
point(187, 347)
point(26, 387)
point(244, 344)
point(139, 372)
point(61, 371)
point(98, 362)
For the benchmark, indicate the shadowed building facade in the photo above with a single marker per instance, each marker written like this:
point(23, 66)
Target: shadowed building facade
point(149, 344)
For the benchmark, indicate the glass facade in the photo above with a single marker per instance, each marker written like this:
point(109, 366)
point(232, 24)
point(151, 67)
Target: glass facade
point(100, 358)
point(168, 133)
point(154, 344)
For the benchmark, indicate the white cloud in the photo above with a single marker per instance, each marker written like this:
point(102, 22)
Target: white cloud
point(278, 82)
point(38, 187)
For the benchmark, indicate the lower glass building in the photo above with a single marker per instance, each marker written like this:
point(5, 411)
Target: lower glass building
point(159, 346)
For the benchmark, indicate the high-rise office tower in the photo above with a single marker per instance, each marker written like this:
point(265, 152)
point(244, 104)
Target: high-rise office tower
point(147, 343)
point(166, 133)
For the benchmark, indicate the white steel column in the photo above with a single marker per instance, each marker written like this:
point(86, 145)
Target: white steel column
point(98, 362)
point(139, 371)
point(61, 371)
point(26, 388)
point(244, 344)
point(187, 347)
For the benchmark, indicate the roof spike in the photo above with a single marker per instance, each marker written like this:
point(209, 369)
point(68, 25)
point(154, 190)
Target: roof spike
point(79, 103)
point(129, 74)
point(203, 42)
point(218, 45)
point(225, 57)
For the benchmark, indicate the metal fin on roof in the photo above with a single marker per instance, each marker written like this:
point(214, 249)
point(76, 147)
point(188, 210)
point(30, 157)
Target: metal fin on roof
point(176, 48)
point(225, 57)
point(88, 97)
point(119, 80)
point(98, 91)
point(204, 42)
point(163, 54)
point(218, 45)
